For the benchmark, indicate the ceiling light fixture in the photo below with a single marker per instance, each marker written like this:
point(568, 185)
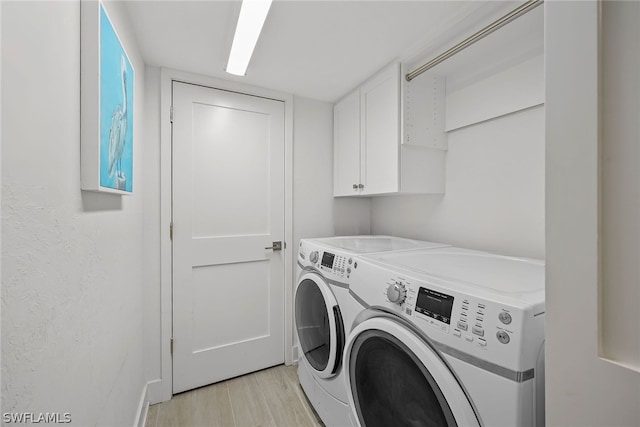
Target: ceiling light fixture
point(252, 16)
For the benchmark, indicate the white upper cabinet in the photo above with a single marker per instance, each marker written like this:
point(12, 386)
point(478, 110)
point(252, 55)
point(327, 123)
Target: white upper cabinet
point(380, 132)
point(369, 155)
point(346, 155)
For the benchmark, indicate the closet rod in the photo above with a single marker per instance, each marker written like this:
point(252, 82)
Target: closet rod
point(517, 12)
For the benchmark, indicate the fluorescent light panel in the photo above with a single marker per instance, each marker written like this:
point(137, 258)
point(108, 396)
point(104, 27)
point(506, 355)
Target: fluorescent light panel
point(252, 16)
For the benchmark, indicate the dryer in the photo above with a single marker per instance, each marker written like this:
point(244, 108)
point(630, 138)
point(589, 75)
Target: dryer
point(447, 337)
point(324, 312)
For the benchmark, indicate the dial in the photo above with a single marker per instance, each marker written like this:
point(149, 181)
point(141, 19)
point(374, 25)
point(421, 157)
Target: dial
point(503, 337)
point(397, 293)
point(313, 257)
point(505, 317)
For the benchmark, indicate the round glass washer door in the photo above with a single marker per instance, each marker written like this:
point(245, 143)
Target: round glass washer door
point(395, 378)
point(319, 325)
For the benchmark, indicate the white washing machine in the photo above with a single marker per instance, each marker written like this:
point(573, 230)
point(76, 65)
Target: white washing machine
point(324, 313)
point(448, 337)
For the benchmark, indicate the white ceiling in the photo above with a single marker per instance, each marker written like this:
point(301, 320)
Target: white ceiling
point(315, 49)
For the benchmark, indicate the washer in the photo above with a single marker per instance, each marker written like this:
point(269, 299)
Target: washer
point(448, 337)
point(325, 311)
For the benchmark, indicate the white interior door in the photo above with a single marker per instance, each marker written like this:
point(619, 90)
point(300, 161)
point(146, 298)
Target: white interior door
point(228, 208)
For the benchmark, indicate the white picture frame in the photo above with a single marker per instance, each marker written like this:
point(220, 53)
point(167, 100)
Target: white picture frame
point(106, 100)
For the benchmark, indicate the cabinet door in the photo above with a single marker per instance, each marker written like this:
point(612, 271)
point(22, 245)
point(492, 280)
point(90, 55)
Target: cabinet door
point(380, 127)
point(346, 146)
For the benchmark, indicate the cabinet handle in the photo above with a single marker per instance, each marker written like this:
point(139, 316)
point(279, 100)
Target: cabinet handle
point(360, 186)
point(355, 186)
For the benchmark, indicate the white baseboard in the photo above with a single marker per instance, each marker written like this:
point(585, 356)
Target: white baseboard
point(143, 408)
point(155, 391)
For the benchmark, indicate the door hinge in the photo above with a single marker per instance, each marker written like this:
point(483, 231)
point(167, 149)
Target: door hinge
point(171, 114)
point(171, 231)
point(171, 345)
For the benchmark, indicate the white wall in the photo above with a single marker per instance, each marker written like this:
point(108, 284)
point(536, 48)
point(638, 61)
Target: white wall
point(316, 212)
point(582, 389)
point(0, 191)
point(620, 184)
point(71, 260)
point(151, 233)
point(494, 197)
point(312, 170)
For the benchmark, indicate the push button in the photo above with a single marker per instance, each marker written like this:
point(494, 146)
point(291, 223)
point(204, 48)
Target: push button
point(478, 331)
point(462, 326)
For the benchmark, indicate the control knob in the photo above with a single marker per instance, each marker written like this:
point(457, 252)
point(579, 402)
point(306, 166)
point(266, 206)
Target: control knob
point(503, 337)
point(397, 293)
point(313, 257)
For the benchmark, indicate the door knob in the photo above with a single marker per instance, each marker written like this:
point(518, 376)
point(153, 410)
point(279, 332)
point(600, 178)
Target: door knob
point(277, 246)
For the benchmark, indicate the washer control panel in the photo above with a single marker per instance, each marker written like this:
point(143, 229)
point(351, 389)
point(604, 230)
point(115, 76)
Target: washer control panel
point(332, 264)
point(461, 319)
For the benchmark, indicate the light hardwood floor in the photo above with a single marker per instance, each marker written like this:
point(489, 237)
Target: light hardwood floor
point(272, 397)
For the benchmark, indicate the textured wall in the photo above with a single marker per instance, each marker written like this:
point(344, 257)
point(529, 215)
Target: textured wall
point(71, 261)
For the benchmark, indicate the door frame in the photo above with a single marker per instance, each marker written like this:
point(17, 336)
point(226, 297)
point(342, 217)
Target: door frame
point(167, 77)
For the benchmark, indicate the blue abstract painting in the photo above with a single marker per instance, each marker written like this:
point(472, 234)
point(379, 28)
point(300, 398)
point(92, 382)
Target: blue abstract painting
point(116, 110)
